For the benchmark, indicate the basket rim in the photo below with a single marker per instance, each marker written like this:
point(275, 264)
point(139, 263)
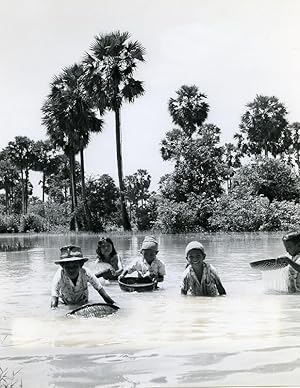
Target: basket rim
point(136, 285)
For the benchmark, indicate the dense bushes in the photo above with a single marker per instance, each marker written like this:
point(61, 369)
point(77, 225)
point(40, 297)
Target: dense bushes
point(282, 215)
point(239, 214)
point(51, 216)
point(9, 223)
point(180, 217)
point(229, 214)
point(31, 223)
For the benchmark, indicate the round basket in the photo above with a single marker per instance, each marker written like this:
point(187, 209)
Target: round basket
point(131, 284)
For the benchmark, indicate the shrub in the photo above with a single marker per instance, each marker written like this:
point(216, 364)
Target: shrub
point(282, 215)
point(56, 216)
point(9, 223)
point(31, 223)
point(176, 217)
point(239, 214)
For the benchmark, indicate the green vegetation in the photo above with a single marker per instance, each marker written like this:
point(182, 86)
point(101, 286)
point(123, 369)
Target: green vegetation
point(247, 186)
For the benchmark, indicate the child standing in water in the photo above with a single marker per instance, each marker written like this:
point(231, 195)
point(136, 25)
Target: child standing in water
point(200, 278)
point(106, 253)
point(70, 282)
point(291, 243)
point(148, 266)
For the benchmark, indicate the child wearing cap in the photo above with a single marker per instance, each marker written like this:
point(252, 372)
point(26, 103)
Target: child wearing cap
point(70, 282)
point(148, 265)
point(291, 243)
point(199, 277)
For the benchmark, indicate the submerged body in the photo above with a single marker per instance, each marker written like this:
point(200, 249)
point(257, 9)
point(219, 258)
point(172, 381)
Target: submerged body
point(291, 242)
point(63, 287)
point(200, 278)
point(148, 266)
point(108, 263)
point(206, 286)
point(294, 275)
point(70, 282)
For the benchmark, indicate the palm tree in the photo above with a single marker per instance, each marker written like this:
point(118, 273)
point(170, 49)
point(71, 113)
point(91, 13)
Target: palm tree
point(110, 67)
point(9, 179)
point(263, 127)
point(70, 118)
point(44, 155)
point(20, 152)
point(188, 110)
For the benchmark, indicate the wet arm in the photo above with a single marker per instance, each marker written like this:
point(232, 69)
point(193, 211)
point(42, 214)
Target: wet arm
point(105, 296)
point(220, 288)
point(123, 273)
point(54, 302)
point(161, 272)
point(293, 264)
point(56, 285)
point(184, 286)
point(287, 260)
point(159, 278)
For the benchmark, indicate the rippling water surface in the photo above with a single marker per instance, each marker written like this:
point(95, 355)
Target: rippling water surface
point(159, 339)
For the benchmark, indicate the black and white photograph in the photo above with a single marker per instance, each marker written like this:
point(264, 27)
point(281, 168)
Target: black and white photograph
point(149, 193)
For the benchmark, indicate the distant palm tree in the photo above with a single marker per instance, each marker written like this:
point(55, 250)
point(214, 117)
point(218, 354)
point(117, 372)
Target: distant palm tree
point(44, 156)
point(70, 118)
point(110, 82)
point(9, 178)
point(20, 152)
point(189, 109)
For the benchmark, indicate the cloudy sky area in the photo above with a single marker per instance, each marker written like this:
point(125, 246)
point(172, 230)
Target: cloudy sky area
point(231, 49)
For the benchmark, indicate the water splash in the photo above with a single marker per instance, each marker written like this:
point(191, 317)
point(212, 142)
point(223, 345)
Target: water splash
point(276, 280)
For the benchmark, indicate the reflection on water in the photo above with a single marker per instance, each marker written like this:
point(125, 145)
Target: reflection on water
point(159, 339)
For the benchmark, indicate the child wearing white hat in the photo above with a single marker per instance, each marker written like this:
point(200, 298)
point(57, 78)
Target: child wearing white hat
point(199, 277)
point(148, 265)
point(71, 279)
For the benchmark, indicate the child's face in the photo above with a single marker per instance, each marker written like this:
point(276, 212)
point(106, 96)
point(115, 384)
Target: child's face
point(292, 247)
point(149, 255)
point(72, 269)
point(106, 248)
point(195, 257)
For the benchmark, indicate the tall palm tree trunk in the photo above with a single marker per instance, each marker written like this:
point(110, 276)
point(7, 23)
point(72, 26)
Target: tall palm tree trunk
point(26, 189)
point(86, 209)
point(73, 192)
point(43, 186)
point(126, 222)
point(22, 192)
point(6, 200)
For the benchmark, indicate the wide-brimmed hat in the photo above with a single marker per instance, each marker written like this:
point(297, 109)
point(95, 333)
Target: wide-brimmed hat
point(149, 243)
point(194, 245)
point(291, 236)
point(70, 253)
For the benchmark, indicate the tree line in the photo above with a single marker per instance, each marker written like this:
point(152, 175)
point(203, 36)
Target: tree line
point(211, 187)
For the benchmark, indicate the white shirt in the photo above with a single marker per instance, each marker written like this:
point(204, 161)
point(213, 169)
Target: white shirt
point(62, 286)
point(157, 267)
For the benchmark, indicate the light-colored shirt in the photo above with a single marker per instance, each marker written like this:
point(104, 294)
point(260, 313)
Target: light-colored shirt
point(294, 277)
point(207, 287)
point(63, 287)
point(114, 262)
point(157, 267)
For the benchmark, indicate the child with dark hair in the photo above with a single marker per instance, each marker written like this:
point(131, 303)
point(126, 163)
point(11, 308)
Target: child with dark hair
point(108, 263)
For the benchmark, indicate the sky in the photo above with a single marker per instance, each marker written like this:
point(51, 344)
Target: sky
point(231, 50)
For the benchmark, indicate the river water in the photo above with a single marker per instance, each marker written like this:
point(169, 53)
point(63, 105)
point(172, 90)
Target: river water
point(160, 339)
